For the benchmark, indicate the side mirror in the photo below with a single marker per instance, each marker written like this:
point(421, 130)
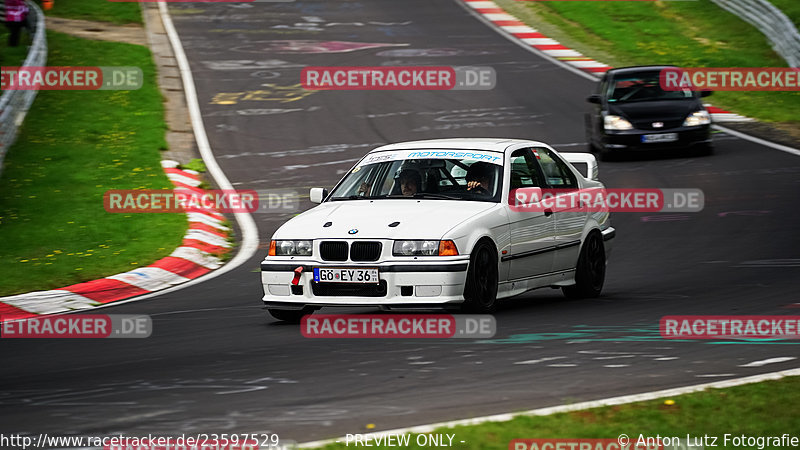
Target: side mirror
point(317, 195)
point(594, 98)
point(519, 197)
point(705, 93)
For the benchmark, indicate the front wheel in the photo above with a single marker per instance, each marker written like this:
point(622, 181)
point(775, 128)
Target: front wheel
point(480, 291)
point(290, 315)
point(590, 273)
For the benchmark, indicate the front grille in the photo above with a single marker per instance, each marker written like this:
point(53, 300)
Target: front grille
point(365, 251)
point(648, 124)
point(349, 289)
point(333, 251)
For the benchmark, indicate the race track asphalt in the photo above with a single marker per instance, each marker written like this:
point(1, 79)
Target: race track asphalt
point(217, 363)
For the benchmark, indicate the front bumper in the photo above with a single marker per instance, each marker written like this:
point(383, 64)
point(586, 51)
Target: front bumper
point(608, 239)
point(688, 137)
point(407, 283)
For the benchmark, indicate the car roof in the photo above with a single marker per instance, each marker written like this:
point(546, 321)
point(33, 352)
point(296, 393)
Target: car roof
point(486, 144)
point(636, 69)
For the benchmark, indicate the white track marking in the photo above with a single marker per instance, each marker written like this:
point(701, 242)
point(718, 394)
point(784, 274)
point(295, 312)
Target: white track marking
point(645, 396)
point(246, 223)
point(764, 362)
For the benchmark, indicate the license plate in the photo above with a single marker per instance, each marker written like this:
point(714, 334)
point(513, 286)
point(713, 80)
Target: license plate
point(345, 275)
point(663, 137)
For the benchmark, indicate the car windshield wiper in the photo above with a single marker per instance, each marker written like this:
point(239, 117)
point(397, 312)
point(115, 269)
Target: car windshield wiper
point(435, 195)
point(354, 197)
point(422, 195)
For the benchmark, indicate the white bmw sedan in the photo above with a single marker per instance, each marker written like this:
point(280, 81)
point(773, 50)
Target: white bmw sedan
point(440, 224)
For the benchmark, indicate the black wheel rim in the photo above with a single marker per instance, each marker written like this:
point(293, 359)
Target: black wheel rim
point(485, 277)
point(595, 263)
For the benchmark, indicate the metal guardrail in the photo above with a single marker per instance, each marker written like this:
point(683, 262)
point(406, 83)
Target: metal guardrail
point(14, 104)
point(772, 22)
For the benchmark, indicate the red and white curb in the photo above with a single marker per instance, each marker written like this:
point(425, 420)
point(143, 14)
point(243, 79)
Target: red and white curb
point(551, 48)
point(205, 240)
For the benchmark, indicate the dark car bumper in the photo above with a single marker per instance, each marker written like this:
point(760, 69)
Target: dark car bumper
point(634, 140)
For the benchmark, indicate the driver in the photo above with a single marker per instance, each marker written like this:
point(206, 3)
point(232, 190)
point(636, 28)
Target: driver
point(479, 176)
point(410, 181)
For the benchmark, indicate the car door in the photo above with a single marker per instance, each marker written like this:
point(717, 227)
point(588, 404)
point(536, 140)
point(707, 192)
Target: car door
point(569, 220)
point(532, 230)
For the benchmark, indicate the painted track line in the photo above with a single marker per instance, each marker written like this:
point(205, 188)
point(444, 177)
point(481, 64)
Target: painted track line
point(612, 401)
point(247, 225)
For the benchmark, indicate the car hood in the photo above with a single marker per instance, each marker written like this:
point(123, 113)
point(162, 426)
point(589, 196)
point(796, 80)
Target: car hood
point(663, 110)
point(418, 219)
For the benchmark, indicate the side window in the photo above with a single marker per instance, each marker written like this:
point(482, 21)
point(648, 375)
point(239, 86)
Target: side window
point(602, 86)
point(524, 172)
point(555, 170)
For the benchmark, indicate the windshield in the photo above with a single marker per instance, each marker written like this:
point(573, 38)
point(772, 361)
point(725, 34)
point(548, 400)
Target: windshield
point(642, 87)
point(434, 174)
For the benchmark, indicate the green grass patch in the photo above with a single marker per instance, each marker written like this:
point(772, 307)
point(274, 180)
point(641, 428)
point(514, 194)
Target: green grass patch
point(687, 34)
point(13, 56)
point(119, 12)
point(195, 164)
point(764, 409)
point(73, 147)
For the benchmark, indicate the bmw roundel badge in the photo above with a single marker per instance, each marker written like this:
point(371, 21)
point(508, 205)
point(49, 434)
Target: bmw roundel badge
point(353, 231)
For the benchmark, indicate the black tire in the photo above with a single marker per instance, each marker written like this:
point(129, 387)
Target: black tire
point(290, 315)
point(705, 150)
point(480, 291)
point(590, 272)
point(606, 155)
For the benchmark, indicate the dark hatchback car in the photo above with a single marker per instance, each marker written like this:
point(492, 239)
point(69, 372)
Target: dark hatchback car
point(631, 112)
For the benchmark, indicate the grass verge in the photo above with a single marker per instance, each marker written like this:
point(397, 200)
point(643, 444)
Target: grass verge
point(763, 409)
point(13, 56)
point(72, 147)
point(119, 12)
point(687, 34)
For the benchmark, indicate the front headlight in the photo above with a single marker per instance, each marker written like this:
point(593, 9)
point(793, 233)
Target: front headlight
point(424, 248)
point(697, 118)
point(290, 248)
point(612, 122)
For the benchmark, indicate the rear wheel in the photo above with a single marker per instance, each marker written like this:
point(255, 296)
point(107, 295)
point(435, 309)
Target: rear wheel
point(290, 315)
point(480, 292)
point(590, 273)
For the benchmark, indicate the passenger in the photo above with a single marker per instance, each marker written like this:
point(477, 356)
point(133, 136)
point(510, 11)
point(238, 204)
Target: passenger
point(409, 182)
